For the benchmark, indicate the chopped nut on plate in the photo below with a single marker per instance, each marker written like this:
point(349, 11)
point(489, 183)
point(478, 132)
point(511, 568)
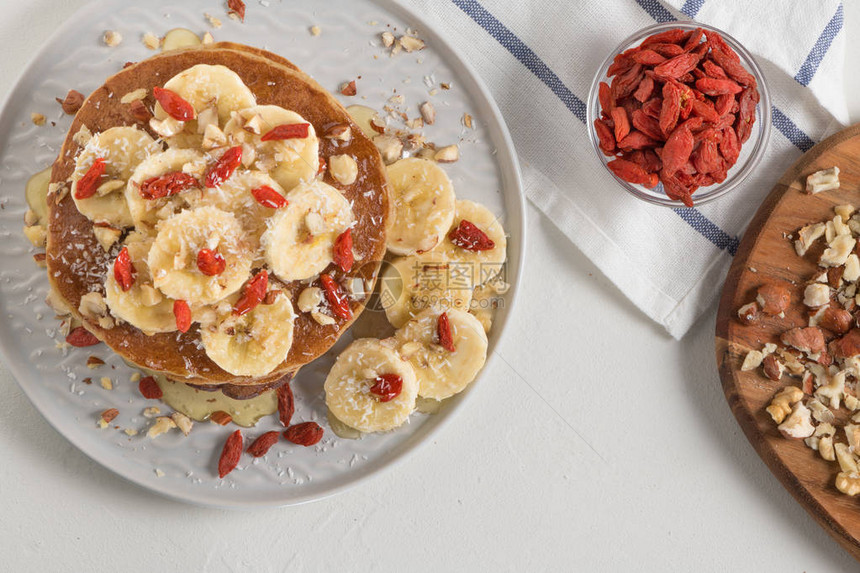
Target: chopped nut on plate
point(38, 119)
point(112, 38)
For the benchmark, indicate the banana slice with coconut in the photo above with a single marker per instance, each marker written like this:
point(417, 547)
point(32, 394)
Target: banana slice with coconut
point(291, 156)
point(182, 272)
point(370, 387)
point(408, 285)
point(300, 239)
point(110, 158)
point(446, 349)
point(215, 92)
point(254, 343)
point(422, 202)
point(162, 185)
point(476, 241)
point(142, 305)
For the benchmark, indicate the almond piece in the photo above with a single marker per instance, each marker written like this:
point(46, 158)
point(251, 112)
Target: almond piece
point(411, 43)
point(343, 168)
point(348, 88)
point(387, 39)
point(773, 298)
point(340, 132)
point(807, 339)
point(447, 154)
point(389, 147)
point(107, 236)
point(749, 313)
point(428, 112)
point(773, 368)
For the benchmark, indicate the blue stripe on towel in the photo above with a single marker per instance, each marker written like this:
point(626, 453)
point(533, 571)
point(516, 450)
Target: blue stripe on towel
point(692, 7)
point(793, 133)
point(813, 60)
point(534, 64)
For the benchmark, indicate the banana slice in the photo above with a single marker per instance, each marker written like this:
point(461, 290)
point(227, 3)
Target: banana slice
point(422, 200)
point(484, 265)
point(289, 160)
point(347, 387)
point(253, 344)
point(142, 306)
point(122, 148)
point(205, 87)
point(299, 242)
point(146, 213)
point(411, 284)
point(173, 256)
point(442, 373)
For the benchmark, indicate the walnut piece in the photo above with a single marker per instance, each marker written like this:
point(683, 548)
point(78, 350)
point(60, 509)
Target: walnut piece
point(780, 406)
point(824, 180)
point(112, 38)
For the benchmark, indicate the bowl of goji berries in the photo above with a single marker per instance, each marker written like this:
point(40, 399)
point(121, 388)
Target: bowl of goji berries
point(679, 113)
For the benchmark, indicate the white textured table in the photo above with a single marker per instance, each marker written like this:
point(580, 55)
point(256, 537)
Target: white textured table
point(603, 445)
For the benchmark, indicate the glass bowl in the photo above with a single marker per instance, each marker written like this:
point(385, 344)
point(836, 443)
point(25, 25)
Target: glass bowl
point(751, 151)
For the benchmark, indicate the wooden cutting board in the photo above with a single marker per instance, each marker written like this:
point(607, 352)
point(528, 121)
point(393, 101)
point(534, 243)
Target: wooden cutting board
point(766, 254)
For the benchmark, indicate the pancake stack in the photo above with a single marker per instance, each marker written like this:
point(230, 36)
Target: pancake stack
point(195, 228)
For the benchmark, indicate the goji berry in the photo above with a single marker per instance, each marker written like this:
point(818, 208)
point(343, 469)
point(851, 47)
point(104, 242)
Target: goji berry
point(671, 108)
point(647, 125)
point(224, 167)
point(673, 36)
point(677, 66)
point(715, 87)
point(211, 263)
point(287, 131)
point(444, 334)
point(237, 7)
point(746, 114)
point(632, 173)
point(167, 185)
point(230, 454)
point(622, 123)
point(677, 150)
point(645, 89)
point(80, 337)
point(286, 404)
point(694, 39)
point(468, 236)
point(636, 140)
point(652, 107)
point(89, 183)
point(604, 97)
point(255, 292)
point(648, 58)
point(729, 146)
point(260, 446)
point(268, 197)
point(713, 70)
point(173, 104)
point(149, 388)
point(182, 313)
point(606, 140)
point(387, 387)
point(305, 434)
point(706, 111)
point(343, 256)
point(336, 299)
point(668, 50)
point(123, 270)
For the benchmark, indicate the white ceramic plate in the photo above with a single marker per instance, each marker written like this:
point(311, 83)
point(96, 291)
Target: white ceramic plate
point(348, 47)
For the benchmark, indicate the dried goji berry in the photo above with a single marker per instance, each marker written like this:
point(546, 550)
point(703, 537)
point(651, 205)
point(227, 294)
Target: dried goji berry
point(387, 387)
point(237, 7)
point(286, 404)
point(304, 434)
point(723, 104)
point(645, 89)
point(444, 334)
point(230, 454)
point(210, 263)
point(694, 39)
point(468, 236)
point(675, 189)
point(706, 111)
point(673, 36)
point(167, 185)
point(268, 197)
point(173, 104)
point(149, 388)
point(713, 70)
point(604, 97)
point(648, 58)
point(652, 107)
point(624, 84)
point(605, 137)
point(647, 125)
point(622, 123)
point(668, 50)
point(343, 256)
point(255, 292)
point(636, 140)
point(677, 66)
point(87, 185)
point(220, 417)
point(652, 162)
point(677, 150)
point(715, 87)
point(182, 313)
point(260, 446)
point(123, 270)
point(746, 114)
point(632, 173)
point(337, 300)
point(224, 167)
point(730, 146)
point(81, 337)
point(287, 131)
point(671, 109)
point(706, 157)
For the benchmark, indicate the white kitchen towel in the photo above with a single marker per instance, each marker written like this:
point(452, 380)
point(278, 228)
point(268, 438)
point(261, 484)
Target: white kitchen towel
point(538, 58)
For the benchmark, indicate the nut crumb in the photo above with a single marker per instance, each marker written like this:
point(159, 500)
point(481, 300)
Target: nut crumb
point(151, 41)
point(213, 21)
point(315, 31)
point(112, 38)
point(38, 119)
point(207, 39)
point(447, 154)
point(106, 383)
point(94, 362)
point(467, 121)
point(428, 112)
point(348, 88)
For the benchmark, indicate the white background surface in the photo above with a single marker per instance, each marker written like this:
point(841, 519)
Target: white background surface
point(603, 445)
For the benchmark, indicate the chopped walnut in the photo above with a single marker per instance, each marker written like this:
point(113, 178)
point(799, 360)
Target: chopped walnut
point(780, 406)
point(183, 422)
point(112, 38)
point(837, 251)
point(824, 180)
point(798, 424)
point(162, 424)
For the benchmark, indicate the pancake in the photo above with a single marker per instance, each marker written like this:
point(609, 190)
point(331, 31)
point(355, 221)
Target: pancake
point(78, 265)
